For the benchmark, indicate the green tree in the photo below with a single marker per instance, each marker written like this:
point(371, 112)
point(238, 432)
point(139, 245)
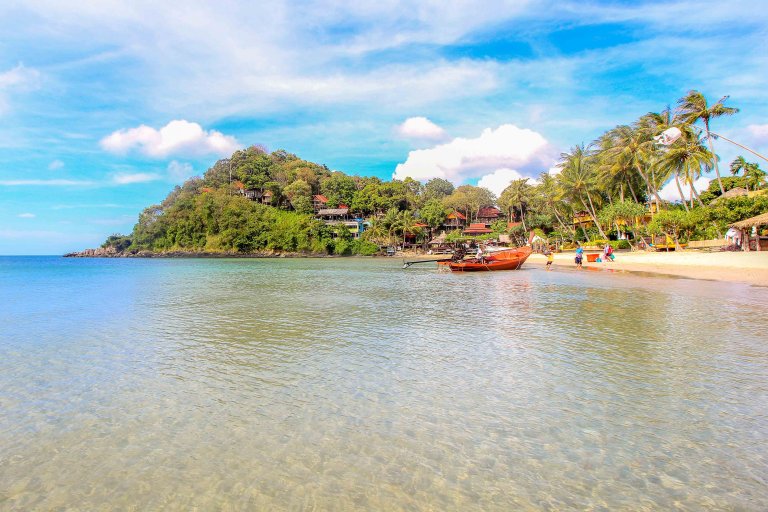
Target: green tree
point(434, 213)
point(438, 188)
point(693, 107)
point(516, 197)
point(578, 178)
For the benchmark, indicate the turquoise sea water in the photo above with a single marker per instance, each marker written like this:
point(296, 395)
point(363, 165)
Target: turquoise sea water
point(351, 384)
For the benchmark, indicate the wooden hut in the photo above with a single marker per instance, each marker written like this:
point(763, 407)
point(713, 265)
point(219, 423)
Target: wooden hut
point(753, 224)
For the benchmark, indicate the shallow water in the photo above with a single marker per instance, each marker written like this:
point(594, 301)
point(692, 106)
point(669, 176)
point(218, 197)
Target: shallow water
point(348, 384)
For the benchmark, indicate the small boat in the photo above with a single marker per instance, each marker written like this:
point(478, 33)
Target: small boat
point(507, 259)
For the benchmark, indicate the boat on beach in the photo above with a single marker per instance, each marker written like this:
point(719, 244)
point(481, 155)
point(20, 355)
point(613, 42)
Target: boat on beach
point(507, 259)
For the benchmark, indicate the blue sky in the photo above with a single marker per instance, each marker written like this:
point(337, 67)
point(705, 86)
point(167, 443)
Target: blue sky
point(104, 107)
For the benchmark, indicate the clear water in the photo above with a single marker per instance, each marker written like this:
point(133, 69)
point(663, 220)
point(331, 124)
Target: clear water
point(344, 384)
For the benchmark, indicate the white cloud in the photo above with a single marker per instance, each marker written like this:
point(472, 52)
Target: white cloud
point(669, 191)
point(497, 181)
point(421, 128)
point(179, 171)
point(177, 137)
point(759, 133)
point(26, 215)
point(55, 165)
point(19, 77)
point(507, 147)
point(131, 178)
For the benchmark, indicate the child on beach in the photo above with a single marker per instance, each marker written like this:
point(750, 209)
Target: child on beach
point(550, 258)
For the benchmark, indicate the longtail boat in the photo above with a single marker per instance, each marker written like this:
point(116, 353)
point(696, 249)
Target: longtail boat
point(508, 259)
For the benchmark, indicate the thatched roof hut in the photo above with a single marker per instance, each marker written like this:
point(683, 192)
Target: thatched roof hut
point(734, 192)
point(752, 223)
point(759, 220)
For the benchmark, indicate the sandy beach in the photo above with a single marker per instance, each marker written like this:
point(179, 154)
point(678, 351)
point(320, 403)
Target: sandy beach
point(742, 267)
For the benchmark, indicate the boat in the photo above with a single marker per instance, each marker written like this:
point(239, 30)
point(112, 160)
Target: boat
point(507, 259)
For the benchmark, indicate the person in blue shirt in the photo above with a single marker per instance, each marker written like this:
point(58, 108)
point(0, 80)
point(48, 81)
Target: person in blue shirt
point(579, 255)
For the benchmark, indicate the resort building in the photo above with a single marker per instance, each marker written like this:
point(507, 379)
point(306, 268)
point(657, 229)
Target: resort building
point(455, 220)
point(488, 215)
point(319, 202)
point(477, 228)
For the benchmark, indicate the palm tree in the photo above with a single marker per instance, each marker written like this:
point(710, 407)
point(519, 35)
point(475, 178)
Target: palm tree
point(516, 196)
point(578, 178)
point(687, 159)
point(633, 147)
point(753, 175)
point(693, 107)
point(551, 195)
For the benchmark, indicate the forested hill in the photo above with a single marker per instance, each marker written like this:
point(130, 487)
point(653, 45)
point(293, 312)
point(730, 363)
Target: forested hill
point(257, 201)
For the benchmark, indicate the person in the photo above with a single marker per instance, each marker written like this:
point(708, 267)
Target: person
point(550, 258)
point(479, 253)
point(609, 252)
point(579, 255)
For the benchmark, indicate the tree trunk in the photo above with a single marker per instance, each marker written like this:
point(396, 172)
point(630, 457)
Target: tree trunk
point(651, 187)
point(680, 190)
point(591, 214)
point(696, 195)
point(632, 190)
point(712, 149)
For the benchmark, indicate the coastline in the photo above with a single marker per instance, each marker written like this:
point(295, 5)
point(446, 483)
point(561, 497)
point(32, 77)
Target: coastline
point(736, 267)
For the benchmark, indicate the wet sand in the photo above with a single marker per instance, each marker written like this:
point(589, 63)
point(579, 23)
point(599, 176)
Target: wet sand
point(740, 267)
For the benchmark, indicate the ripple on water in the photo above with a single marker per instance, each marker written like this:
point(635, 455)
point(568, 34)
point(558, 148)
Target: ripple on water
point(352, 384)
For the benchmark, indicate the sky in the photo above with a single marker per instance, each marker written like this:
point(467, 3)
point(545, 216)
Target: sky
point(104, 107)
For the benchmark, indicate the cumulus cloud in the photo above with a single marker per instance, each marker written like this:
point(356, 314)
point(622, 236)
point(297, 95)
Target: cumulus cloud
point(670, 193)
point(26, 215)
point(421, 128)
point(131, 178)
point(178, 137)
point(497, 181)
point(55, 165)
point(506, 147)
point(179, 171)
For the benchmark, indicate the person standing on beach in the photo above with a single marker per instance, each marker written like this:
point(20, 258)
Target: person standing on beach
point(579, 255)
point(550, 258)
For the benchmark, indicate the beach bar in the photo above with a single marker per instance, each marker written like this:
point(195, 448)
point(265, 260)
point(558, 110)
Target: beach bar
point(751, 228)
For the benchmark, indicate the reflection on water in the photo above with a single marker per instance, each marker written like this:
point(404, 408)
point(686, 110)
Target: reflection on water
point(352, 384)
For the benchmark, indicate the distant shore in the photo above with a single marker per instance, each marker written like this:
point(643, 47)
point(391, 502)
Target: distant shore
point(737, 267)
point(106, 253)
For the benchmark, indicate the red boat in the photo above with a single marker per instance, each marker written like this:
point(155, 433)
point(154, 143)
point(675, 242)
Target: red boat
point(508, 259)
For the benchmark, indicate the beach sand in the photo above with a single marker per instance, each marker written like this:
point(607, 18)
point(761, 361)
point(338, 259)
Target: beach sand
point(741, 267)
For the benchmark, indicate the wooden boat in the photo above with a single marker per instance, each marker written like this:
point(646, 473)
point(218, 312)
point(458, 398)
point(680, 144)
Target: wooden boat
point(508, 259)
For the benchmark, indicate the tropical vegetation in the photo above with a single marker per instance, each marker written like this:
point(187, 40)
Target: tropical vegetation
point(602, 190)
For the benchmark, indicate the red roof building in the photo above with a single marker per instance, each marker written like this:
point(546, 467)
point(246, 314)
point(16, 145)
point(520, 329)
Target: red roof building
point(319, 202)
point(455, 220)
point(488, 215)
point(477, 228)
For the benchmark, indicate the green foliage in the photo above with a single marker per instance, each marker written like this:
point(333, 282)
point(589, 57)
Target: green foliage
point(433, 213)
point(339, 189)
point(438, 188)
point(119, 242)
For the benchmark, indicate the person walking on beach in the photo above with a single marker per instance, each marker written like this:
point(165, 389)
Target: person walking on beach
point(550, 258)
point(579, 255)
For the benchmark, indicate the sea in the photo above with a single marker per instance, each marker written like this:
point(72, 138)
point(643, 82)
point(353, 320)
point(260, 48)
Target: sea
point(354, 384)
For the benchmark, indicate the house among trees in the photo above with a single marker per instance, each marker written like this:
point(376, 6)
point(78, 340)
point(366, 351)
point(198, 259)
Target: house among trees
point(455, 220)
point(477, 228)
point(254, 194)
point(319, 202)
point(488, 215)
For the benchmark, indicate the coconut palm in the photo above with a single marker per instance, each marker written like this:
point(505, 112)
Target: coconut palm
point(551, 195)
point(578, 178)
point(687, 159)
point(633, 147)
point(693, 107)
point(516, 196)
point(753, 175)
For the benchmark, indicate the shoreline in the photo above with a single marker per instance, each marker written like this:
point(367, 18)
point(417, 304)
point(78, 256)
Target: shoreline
point(735, 267)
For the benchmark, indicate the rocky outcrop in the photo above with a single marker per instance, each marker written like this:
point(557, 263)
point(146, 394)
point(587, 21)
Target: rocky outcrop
point(101, 252)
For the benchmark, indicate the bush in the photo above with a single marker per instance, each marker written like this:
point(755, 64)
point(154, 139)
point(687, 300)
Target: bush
point(364, 248)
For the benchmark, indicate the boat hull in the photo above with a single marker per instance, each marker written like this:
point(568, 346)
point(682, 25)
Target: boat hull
point(511, 259)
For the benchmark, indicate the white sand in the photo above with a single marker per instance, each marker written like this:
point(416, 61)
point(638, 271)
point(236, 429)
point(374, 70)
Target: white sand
point(744, 267)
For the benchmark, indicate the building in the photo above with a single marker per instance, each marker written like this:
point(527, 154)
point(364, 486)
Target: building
point(488, 215)
point(319, 202)
point(455, 220)
point(477, 228)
